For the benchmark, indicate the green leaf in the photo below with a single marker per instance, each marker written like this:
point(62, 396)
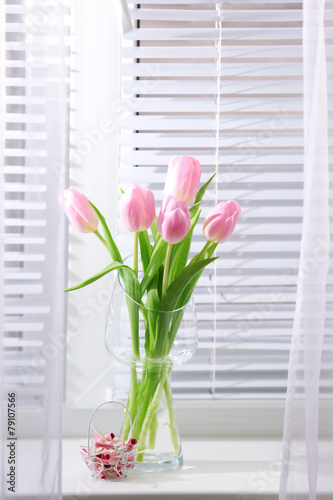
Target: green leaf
point(171, 300)
point(153, 303)
point(157, 259)
point(154, 230)
point(153, 300)
point(147, 339)
point(108, 269)
point(133, 312)
point(175, 324)
point(160, 282)
point(181, 251)
point(188, 290)
point(210, 250)
point(177, 317)
point(132, 288)
point(202, 190)
point(145, 249)
point(194, 208)
point(199, 196)
point(174, 291)
point(112, 247)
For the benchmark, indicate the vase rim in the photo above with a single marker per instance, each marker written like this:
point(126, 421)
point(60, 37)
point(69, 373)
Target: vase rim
point(143, 306)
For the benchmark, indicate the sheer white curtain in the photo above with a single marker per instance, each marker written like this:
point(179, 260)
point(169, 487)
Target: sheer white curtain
point(2, 111)
point(307, 460)
point(34, 91)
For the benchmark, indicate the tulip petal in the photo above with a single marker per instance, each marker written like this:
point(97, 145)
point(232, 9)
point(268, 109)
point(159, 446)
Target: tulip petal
point(137, 209)
point(221, 221)
point(149, 209)
point(80, 202)
point(212, 227)
point(79, 211)
point(174, 220)
point(183, 178)
point(230, 224)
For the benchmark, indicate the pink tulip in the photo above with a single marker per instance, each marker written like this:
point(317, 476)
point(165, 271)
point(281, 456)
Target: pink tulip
point(78, 211)
point(174, 220)
point(221, 221)
point(137, 209)
point(183, 178)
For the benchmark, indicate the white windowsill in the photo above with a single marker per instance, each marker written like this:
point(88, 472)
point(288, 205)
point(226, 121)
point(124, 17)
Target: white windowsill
point(214, 468)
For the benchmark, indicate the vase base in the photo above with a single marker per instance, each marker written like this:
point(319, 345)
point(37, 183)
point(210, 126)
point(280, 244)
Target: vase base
point(154, 463)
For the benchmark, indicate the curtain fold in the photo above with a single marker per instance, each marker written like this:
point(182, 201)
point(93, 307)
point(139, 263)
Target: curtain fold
point(307, 457)
point(2, 112)
point(34, 132)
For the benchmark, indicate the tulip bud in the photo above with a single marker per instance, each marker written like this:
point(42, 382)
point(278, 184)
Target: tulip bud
point(183, 178)
point(174, 220)
point(221, 221)
point(79, 211)
point(137, 209)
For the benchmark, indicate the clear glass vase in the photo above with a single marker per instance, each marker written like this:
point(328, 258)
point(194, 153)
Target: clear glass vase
point(151, 343)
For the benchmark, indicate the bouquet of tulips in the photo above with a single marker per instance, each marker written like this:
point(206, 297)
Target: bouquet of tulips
point(167, 279)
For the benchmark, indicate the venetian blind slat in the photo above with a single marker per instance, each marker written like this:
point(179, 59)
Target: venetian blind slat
point(245, 304)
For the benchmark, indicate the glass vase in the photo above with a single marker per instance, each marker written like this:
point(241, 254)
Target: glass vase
point(151, 342)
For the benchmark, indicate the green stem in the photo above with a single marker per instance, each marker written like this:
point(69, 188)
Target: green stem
point(133, 312)
point(172, 420)
point(100, 237)
point(136, 253)
point(152, 408)
point(131, 403)
point(203, 251)
point(152, 432)
point(146, 393)
point(166, 268)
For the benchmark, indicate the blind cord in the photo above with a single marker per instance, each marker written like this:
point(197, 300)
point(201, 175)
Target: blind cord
point(217, 150)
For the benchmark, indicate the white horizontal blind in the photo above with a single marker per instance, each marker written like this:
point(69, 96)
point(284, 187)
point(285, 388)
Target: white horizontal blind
point(245, 305)
point(35, 95)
